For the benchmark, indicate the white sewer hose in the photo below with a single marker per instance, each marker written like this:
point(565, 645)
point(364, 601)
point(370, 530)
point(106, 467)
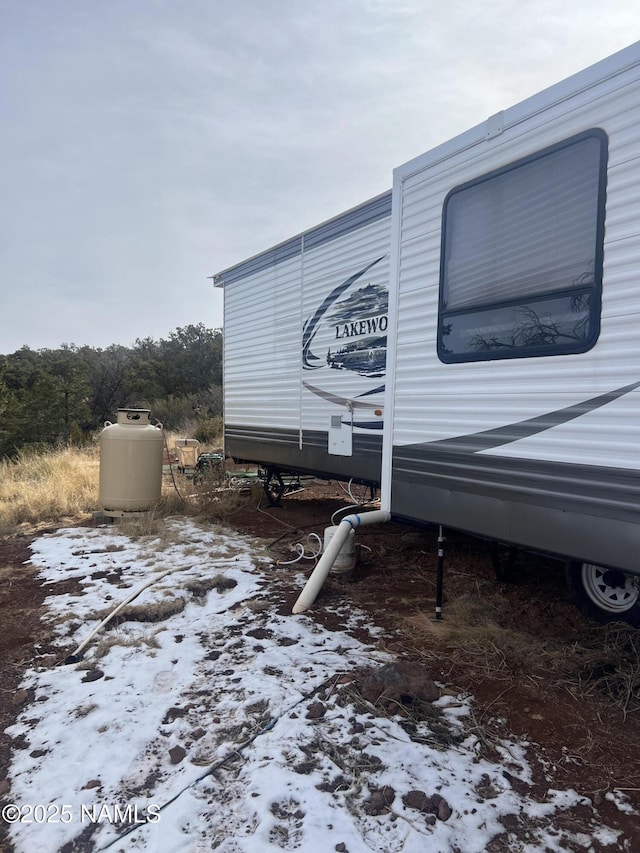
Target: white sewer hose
point(319, 574)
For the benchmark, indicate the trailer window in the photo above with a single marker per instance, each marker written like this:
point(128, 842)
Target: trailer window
point(521, 259)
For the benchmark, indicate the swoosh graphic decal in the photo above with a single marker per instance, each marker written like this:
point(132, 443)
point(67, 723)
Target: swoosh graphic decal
point(339, 401)
point(310, 327)
point(499, 436)
point(377, 390)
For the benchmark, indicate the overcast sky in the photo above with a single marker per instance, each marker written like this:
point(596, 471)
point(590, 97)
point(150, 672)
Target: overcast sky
point(147, 145)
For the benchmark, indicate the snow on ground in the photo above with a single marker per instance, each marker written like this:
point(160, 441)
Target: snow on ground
point(195, 732)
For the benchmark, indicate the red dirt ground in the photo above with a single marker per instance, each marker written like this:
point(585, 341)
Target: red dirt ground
point(583, 738)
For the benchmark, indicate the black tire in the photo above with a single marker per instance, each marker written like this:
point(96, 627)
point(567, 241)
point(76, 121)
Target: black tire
point(605, 595)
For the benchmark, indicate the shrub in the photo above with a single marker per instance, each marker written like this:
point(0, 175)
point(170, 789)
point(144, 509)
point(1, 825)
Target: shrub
point(209, 430)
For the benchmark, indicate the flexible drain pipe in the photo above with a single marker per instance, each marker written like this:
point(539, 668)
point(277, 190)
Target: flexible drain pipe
point(75, 655)
point(319, 574)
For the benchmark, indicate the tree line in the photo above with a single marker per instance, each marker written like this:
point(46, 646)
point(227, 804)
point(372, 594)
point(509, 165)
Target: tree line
point(64, 395)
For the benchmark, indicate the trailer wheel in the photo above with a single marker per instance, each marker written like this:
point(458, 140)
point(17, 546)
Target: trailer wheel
point(606, 595)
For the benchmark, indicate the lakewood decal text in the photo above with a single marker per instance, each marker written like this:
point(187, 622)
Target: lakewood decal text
point(371, 326)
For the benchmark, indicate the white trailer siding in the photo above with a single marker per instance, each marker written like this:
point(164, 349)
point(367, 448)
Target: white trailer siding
point(542, 451)
point(262, 377)
point(304, 352)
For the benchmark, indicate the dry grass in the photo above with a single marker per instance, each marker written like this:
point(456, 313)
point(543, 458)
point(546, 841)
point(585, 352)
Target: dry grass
point(61, 487)
point(585, 678)
point(217, 502)
point(117, 637)
point(602, 662)
point(42, 488)
point(152, 524)
point(606, 662)
point(258, 605)
point(201, 586)
point(154, 611)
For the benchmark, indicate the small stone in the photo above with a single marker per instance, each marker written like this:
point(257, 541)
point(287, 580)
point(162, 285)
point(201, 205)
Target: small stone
point(19, 697)
point(38, 753)
point(341, 847)
point(417, 800)
point(92, 783)
point(196, 734)
point(93, 675)
point(177, 753)
point(441, 807)
point(397, 684)
point(315, 711)
point(380, 800)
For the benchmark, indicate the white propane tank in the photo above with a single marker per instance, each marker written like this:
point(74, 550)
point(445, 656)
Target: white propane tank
point(346, 559)
point(130, 462)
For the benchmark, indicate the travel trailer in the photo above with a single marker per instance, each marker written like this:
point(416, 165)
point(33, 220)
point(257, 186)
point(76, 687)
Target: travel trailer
point(513, 389)
point(510, 352)
point(305, 335)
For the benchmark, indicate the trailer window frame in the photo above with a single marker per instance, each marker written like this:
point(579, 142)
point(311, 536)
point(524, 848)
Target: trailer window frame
point(538, 323)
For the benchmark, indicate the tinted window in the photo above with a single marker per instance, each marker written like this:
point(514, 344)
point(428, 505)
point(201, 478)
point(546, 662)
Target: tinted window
point(522, 256)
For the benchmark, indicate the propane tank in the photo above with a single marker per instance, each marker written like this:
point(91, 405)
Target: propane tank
point(130, 462)
point(346, 559)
